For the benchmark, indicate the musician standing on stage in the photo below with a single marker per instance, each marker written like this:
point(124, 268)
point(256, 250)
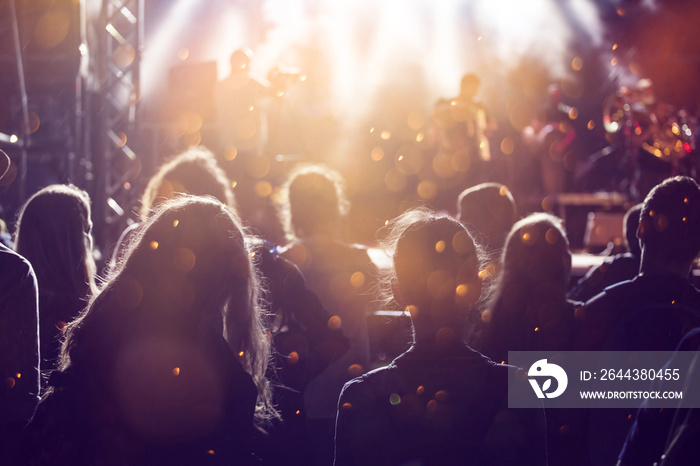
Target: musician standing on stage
point(463, 130)
point(239, 101)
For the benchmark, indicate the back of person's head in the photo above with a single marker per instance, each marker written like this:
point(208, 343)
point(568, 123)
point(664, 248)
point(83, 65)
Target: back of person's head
point(436, 270)
point(188, 269)
point(470, 84)
point(488, 211)
point(532, 286)
point(630, 224)
point(537, 251)
point(314, 202)
point(54, 233)
point(194, 171)
point(240, 60)
point(669, 225)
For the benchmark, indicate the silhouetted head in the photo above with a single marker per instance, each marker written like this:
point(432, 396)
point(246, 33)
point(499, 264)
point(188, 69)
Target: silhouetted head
point(54, 233)
point(669, 225)
point(240, 61)
point(194, 171)
point(532, 287)
point(488, 211)
point(314, 202)
point(436, 271)
point(537, 251)
point(469, 85)
point(630, 225)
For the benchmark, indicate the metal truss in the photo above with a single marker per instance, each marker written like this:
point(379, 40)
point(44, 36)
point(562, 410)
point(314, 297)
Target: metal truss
point(116, 165)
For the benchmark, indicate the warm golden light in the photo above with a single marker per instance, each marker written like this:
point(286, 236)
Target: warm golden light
point(334, 323)
point(551, 236)
point(263, 188)
point(357, 279)
point(577, 64)
point(415, 120)
point(377, 154)
point(426, 189)
point(230, 153)
point(184, 259)
point(507, 145)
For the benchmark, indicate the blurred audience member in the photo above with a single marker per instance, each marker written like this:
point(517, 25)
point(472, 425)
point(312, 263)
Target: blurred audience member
point(194, 171)
point(615, 269)
point(297, 319)
point(167, 365)
point(19, 351)
point(653, 310)
point(668, 437)
point(441, 402)
point(341, 274)
point(488, 211)
point(529, 310)
point(54, 233)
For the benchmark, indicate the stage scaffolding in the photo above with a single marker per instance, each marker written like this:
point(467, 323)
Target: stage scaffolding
point(116, 165)
point(69, 103)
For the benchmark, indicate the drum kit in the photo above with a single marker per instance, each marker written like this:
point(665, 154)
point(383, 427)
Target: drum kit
point(650, 125)
point(655, 139)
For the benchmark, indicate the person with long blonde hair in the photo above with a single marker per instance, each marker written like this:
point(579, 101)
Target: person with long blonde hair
point(169, 359)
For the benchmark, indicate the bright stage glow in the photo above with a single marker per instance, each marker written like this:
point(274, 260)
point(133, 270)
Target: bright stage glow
point(160, 52)
point(355, 51)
